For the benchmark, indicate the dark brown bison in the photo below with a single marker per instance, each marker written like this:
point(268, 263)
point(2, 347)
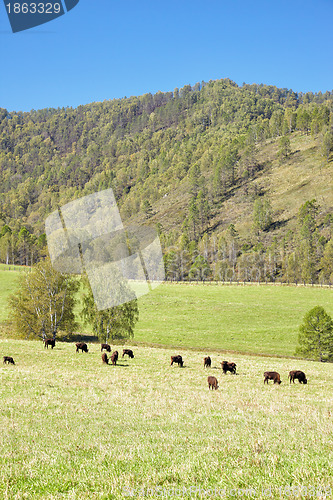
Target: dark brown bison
point(212, 383)
point(272, 376)
point(8, 360)
point(300, 376)
point(81, 345)
point(129, 353)
point(177, 359)
point(228, 367)
point(105, 358)
point(49, 342)
point(114, 357)
point(207, 362)
point(106, 347)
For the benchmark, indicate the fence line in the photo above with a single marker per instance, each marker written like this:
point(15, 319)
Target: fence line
point(16, 267)
point(249, 283)
point(7, 267)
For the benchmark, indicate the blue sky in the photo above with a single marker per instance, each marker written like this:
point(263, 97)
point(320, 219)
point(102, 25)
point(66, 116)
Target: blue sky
point(103, 49)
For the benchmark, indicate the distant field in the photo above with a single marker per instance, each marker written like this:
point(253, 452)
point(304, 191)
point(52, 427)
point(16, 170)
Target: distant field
point(247, 319)
point(251, 318)
point(73, 428)
point(7, 287)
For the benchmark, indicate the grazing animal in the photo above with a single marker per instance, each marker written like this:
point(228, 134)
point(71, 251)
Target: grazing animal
point(177, 359)
point(207, 362)
point(129, 352)
point(272, 376)
point(8, 360)
point(300, 376)
point(106, 347)
point(114, 357)
point(105, 358)
point(49, 342)
point(228, 367)
point(212, 383)
point(81, 345)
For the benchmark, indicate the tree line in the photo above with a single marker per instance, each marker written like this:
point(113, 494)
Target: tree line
point(302, 256)
point(21, 246)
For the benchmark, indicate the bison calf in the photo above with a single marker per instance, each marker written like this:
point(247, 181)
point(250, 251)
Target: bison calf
point(82, 346)
point(228, 367)
point(178, 360)
point(272, 376)
point(106, 347)
point(207, 362)
point(300, 376)
point(49, 342)
point(114, 357)
point(212, 383)
point(105, 358)
point(8, 360)
point(129, 353)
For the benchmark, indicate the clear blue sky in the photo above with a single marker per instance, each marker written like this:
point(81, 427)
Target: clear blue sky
point(104, 49)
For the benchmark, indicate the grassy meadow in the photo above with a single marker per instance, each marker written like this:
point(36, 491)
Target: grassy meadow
point(74, 428)
point(259, 319)
point(7, 287)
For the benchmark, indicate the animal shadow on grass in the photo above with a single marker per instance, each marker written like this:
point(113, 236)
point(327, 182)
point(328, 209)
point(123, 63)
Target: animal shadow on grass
point(217, 368)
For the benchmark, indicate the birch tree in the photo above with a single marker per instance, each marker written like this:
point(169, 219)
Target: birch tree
point(113, 323)
point(44, 302)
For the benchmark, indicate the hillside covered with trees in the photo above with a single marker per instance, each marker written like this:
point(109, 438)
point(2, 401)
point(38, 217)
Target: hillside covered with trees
point(237, 179)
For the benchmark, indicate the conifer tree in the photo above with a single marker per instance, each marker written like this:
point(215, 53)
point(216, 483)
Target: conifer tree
point(315, 337)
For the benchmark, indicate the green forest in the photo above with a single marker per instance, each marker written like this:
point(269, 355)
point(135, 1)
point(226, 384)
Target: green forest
point(236, 179)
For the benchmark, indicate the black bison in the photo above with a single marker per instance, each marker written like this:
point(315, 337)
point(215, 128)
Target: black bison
point(106, 347)
point(212, 383)
point(129, 352)
point(300, 376)
point(114, 357)
point(207, 362)
point(49, 342)
point(272, 376)
point(81, 345)
point(177, 359)
point(228, 367)
point(105, 358)
point(8, 360)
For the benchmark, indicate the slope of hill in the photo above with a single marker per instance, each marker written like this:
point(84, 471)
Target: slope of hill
point(222, 170)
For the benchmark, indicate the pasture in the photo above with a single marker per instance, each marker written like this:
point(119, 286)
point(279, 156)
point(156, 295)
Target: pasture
point(259, 319)
point(8, 286)
point(76, 429)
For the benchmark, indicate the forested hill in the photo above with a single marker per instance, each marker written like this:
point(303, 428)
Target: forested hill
point(238, 180)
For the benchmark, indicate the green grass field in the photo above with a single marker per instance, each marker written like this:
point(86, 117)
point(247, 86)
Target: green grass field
point(7, 287)
point(259, 319)
point(248, 319)
point(73, 428)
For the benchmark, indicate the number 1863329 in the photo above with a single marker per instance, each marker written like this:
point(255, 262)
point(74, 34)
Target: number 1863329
point(33, 8)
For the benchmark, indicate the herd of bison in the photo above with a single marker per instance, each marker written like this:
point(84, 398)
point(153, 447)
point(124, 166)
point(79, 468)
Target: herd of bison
point(212, 381)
